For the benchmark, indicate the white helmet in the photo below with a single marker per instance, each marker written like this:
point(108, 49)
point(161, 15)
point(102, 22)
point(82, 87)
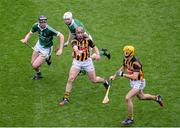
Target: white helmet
point(67, 15)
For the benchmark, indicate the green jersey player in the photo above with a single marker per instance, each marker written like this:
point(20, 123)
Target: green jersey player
point(43, 48)
point(72, 24)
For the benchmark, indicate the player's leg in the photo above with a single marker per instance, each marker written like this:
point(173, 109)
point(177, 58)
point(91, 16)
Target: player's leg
point(49, 59)
point(95, 79)
point(35, 53)
point(40, 54)
point(72, 76)
point(89, 68)
point(36, 65)
point(136, 86)
point(129, 97)
point(34, 56)
point(142, 96)
point(73, 73)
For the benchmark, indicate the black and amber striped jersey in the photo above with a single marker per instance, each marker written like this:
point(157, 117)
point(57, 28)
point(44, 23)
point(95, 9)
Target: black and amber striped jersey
point(133, 65)
point(84, 47)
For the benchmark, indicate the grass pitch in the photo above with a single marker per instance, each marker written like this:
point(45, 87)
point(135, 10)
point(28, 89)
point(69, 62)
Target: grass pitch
point(152, 26)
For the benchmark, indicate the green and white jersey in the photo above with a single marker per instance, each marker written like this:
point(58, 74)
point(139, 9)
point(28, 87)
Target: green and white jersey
point(45, 35)
point(75, 23)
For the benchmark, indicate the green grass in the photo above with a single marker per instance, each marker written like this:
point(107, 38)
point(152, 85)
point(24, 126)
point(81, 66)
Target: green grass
point(152, 26)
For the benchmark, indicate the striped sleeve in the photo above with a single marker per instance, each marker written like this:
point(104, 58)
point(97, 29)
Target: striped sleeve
point(136, 67)
point(91, 44)
point(54, 32)
point(34, 28)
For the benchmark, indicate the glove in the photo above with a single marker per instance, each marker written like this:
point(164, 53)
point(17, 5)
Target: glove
point(119, 73)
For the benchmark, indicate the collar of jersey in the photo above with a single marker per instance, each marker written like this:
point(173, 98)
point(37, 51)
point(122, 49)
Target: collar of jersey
point(72, 22)
point(41, 28)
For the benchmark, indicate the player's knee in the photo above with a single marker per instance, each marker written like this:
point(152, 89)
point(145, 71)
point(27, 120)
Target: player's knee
point(93, 80)
point(71, 79)
point(127, 98)
point(35, 66)
point(141, 97)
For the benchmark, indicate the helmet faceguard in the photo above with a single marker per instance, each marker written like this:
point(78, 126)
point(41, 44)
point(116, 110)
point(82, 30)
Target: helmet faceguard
point(42, 19)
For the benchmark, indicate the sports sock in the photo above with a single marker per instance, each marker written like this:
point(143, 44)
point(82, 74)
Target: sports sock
point(67, 95)
point(130, 116)
point(38, 73)
point(154, 98)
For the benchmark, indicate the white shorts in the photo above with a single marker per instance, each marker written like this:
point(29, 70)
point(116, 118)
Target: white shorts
point(86, 65)
point(139, 84)
point(45, 52)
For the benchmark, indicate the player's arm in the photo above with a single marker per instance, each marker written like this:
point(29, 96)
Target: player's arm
point(96, 50)
point(119, 73)
point(75, 47)
point(135, 74)
point(61, 40)
point(29, 34)
point(26, 38)
point(69, 38)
